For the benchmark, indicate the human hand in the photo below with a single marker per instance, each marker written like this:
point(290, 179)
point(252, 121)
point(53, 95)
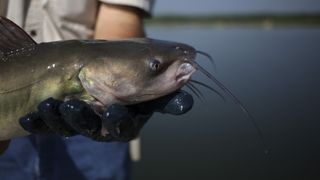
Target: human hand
point(117, 123)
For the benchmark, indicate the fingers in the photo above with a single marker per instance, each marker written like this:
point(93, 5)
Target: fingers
point(123, 122)
point(33, 123)
point(117, 123)
point(179, 103)
point(79, 115)
point(176, 103)
point(64, 118)
point(112, 118)
point(48, 111)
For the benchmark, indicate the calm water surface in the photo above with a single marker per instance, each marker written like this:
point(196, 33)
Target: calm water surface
point(275, 73)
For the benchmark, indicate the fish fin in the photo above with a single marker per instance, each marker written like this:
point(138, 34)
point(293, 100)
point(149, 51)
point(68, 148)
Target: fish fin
point(13, 38)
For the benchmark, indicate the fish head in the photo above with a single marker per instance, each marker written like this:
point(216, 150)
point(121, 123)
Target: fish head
point(137, 70)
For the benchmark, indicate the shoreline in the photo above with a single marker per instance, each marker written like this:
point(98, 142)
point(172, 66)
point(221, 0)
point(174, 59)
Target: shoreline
point(243, 19)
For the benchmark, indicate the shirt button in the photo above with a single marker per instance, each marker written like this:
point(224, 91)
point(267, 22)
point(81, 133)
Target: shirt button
point(33, 33)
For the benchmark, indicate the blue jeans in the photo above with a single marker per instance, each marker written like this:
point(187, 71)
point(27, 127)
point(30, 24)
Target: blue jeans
point(51, 157)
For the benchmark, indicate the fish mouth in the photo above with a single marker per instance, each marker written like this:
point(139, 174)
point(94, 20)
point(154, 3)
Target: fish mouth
point(184, 72)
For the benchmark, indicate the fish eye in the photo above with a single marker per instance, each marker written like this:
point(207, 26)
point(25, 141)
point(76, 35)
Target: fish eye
point(154, 64)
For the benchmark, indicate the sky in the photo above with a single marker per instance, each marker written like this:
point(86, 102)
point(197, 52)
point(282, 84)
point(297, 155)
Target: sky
point(235, 6)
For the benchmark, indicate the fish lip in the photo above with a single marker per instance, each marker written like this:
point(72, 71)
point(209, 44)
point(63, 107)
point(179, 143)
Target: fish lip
point(184, 72)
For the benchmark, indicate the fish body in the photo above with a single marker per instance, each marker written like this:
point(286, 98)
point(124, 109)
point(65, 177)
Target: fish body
point(99, 72)
point(30, 77)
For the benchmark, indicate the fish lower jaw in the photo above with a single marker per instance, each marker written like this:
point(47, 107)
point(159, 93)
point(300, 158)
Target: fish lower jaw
point(183, 80)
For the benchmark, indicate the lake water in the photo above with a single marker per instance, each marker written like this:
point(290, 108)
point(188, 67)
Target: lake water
point(275, 73)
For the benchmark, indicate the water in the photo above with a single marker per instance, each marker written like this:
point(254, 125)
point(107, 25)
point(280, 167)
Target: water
point(275, 73)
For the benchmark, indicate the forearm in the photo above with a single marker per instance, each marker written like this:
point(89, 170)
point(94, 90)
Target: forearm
point(117, 22)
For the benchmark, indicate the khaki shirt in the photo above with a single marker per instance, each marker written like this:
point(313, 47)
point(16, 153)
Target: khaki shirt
point(54, 20)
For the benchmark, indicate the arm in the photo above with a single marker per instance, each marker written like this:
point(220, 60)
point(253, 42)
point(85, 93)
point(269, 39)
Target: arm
point(117, 21)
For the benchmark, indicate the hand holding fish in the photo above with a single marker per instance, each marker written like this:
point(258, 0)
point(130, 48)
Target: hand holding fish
point(117, 123)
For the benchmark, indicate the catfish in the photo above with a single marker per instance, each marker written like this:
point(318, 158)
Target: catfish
point(98, 72)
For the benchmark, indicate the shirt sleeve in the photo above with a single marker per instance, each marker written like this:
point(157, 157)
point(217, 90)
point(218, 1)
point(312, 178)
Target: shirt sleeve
point(145, 5)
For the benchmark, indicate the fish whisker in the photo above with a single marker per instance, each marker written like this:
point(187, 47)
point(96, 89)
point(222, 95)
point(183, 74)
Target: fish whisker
point(193, 91)
point(194, 87)
point(196, 91)
point(209, 58)
point(208, 87)
point(236, 101)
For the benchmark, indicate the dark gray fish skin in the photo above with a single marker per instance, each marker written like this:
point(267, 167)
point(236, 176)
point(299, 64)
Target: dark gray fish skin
point(97, 71)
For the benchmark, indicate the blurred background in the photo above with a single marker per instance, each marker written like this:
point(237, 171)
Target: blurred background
point(267, 53)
